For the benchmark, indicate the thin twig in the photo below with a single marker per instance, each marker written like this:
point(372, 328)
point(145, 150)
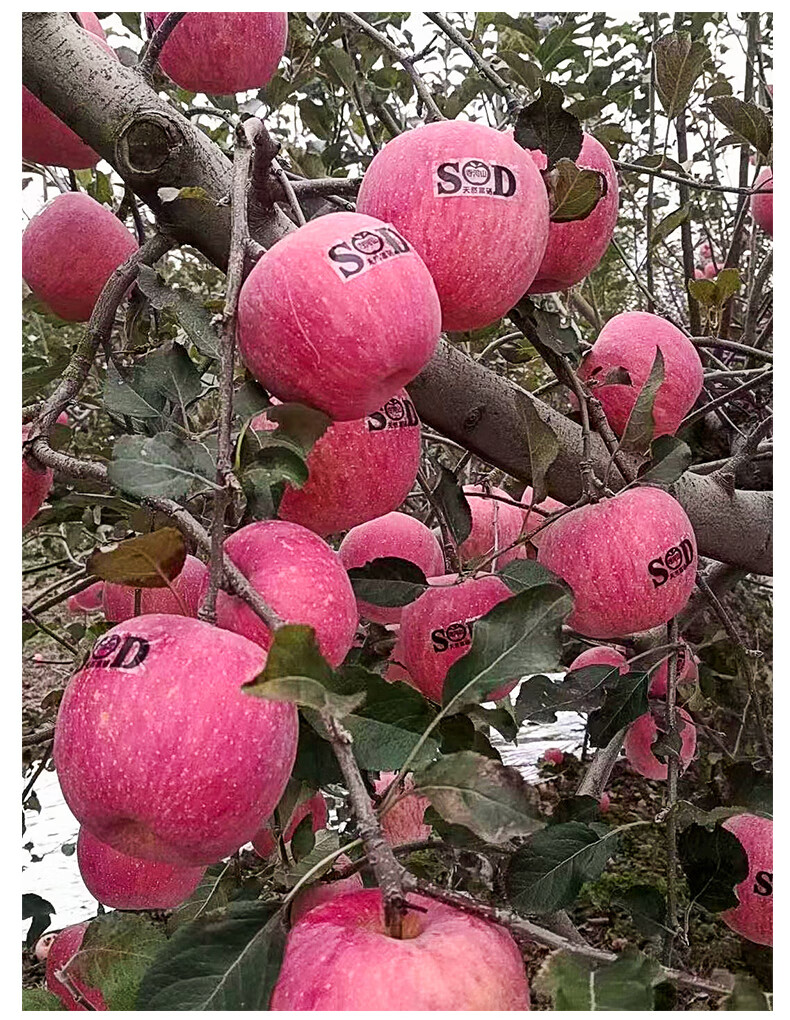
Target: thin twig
point(482, 65)
point(155, 44)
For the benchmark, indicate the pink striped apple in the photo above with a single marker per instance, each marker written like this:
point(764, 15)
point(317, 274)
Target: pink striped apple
point(754, 916)
point(403, 823)
point(88, 601)
point(323, 892)
point(641, 735)
point(36, 483)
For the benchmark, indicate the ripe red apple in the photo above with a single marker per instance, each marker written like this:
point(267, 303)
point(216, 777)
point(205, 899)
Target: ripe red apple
point(754, 917)
point(629, 341)
point(533, 520)
point(300, 577)
point(473, 204)
point(35, 485)
point(687, 671)
point(88, 601)
point(600, 655)
point(359, 470)
point(605, 802)
point(630, 560)
point(61, 952)
point(574, 249)
point(69, 251)
point(403, 823)
point(131, 883)
point(118, 599)
point(159, 752)
point(339, 957)
point(495, 525)
point(394, 534)
point(340, 315)
point(554, 756)
point(763, 205)
point(639, 740)
point(323, 892)
point(264, 842)
point(436, 629)
point(225, 52)
point(45, 138)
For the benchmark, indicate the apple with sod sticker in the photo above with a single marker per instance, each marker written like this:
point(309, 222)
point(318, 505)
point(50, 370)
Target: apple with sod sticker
point(358, 470)
point(754, 916)
point(340, 957)
point(160, 753)
point(641, 735)
point(394, 534)
point(630, 560)
point(473, 204)
point(339, 315)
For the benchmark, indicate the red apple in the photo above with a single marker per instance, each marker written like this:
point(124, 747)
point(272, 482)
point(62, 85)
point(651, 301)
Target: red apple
point(763, 205)
point(36, 484)
point(631, 561)
point(325, 891)
point(605, 802)
point(601, 655)
point(436, 629)
point(339, 957)
point(533, 520)
point(300, 577)
point(340, 315)
point(224, 52)
point(629, 341)
point(264, 841)
point(473, 204)
point(403, 823)
point(495, 525)
point(160, 753)
point(394, 534)
point(554, 756)
point(62, 951)
point(118, 599)
point(359, 470)
point(131, 883)
point(45, 138)
point(88, 601)
point(70, 249)
point(574, 249)
point(754, 916)
point(687, 671)
point(639, 740)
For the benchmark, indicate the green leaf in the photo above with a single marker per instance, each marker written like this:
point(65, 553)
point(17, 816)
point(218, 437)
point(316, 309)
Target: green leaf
point(639, 429)
point(250, 399)
point(37, 373)
point(575, 983)
point(576, 809)
point(727, 283)
point(547, 873)
point(748, 785)
point(490, 799)
point(304, 425)
point(162, 465)
point(714, 862)
point(40, 999)
point(647, 907)
point(117, 950)
point(133, 393)
point(544, 125)
point(670, 457)
point(679, 62)
point(746, 120)
point(544, 447)
point(193, 318)
point(212, 893)
point(519, 575)
point(191, 193)
point(326, 842)
point(228, 959)
point(520, 635)
point(625, 699)
point(669, 223)
point(174, 374)
point(546, 328)
point(745, 995)
point(278, 461)
point(574, 192)
point(501, 719)
point(388, 581)
point(525, 72)
point(303, 839)
point(454, 504)
point(148, 561)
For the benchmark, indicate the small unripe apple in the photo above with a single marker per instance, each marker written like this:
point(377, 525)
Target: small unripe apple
point(45, 137)
point(359, 470)
point(61, 952)
point(436, 629)
point(160, 753)
point(630, 560)
point(394, 534)
point(340, 957)
point(403, 823)
point(629, 341)
point(339, 314)
point(70, 249)
point(473, 204)
point(90, 600)
point(264, 842)
point(118, 599)
point(554, 756)
point(323, 892)
point(639, 740)
point(131, 883)
point(223, 52)
point(575, 248)
point(495, 525)
point(763, 205)
point(300, 577)
point(36, 484)
point(754, 916)
point(601, 655)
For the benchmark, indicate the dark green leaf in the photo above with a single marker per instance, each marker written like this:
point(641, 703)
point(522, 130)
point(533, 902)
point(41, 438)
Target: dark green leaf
point(304, 425)
point(525, 72)
point(40, 911)
point(453, 504)
point(746, 120)
point(669, 223)
point(747, 995)
point(625, 699)
point(115, 953)
point(37, 373)
point(679, 62)
point(574, 192)
point(539, 698)
point(544, 125)
point(669, 459)
point(174, 374)
point(749, 786)
point(519, 575)
point(388, 581)
point(576, 809)
point(647, 907)
point(162, 465)
point(575, 983)
point(193, 318)
point(640, 427)
point(134, 392)
point(303, 839)
point(148, 561)
point(544, 447)
point(714, 862)
point(212, 893)
point(501, 719)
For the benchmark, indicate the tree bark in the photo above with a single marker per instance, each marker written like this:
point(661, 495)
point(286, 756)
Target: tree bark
point(152, 146)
